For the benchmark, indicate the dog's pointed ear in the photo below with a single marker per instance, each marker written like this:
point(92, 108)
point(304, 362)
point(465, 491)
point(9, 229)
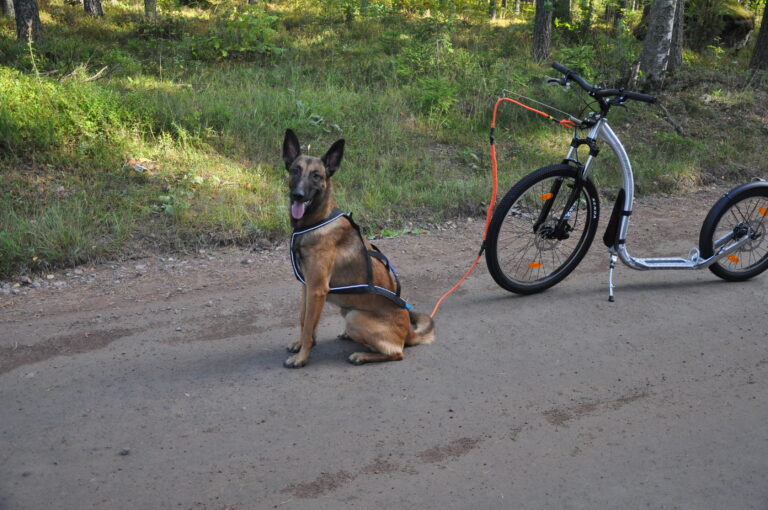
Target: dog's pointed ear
point(332, 158)
point(291, 148)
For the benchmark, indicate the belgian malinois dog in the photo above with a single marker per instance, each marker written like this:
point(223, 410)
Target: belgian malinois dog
point(328, 254)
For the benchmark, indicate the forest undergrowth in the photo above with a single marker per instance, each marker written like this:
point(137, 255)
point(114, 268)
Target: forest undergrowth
point(119, 134)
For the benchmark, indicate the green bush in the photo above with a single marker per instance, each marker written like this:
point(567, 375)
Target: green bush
point(243, 33)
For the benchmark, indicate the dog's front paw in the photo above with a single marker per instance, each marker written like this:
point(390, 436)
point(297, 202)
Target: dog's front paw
point(296, 346)
point(296, 361)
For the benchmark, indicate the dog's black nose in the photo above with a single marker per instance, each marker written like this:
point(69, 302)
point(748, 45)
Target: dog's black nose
point(297, 195)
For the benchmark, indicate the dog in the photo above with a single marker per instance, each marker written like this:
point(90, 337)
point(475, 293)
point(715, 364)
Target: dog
point(329, 253)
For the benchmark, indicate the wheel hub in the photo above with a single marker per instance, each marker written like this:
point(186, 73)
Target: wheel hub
point(754, 229)
point(548, 234)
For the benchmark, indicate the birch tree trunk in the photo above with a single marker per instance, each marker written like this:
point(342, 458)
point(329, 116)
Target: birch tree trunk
point(93, 7)
point(7, 6)
point(676, 46)
point(654, 58)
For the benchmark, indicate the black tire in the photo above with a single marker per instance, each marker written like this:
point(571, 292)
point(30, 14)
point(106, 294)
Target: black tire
point(525, 261)
point(744, 209)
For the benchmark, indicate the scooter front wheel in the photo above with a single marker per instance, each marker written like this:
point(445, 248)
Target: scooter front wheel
point(541, 229)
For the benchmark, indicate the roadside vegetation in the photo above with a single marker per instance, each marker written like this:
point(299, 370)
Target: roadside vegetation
point(121, 133)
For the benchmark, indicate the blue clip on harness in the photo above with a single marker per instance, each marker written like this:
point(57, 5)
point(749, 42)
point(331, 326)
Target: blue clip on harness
point(367, 288)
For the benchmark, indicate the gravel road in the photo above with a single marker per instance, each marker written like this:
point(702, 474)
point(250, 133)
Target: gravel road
point(158, 383)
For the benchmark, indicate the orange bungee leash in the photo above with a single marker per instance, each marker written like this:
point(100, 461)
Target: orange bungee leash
point(495, 187)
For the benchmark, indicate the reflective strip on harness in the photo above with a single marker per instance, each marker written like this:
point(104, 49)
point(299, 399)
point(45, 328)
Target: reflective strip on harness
point(368, 288)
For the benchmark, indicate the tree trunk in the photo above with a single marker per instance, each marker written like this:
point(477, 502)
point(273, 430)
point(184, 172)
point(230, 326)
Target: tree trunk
point(676, 47)
point(517, 7)
point(542, 30)
point(654, 58)
point(492, 8)
point(7, 6)
point(618, 19)
point(93, 7)
point(150, 9)
point(760, 54)
point(28, 24)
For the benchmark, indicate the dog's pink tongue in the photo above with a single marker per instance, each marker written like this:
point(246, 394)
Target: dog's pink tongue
point(297, 209)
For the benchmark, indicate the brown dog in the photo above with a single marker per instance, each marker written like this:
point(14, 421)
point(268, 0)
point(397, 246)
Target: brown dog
point(329, 254)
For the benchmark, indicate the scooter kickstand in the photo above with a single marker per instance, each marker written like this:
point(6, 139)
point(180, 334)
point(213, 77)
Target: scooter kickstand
point(610, 277)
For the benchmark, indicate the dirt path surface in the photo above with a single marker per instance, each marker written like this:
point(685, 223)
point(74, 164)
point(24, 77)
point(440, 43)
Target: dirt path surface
point(158, 383)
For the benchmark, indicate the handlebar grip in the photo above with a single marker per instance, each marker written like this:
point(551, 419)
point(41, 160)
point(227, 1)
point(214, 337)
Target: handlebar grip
point(572, 75)
point(627, 94)
point(637, 96)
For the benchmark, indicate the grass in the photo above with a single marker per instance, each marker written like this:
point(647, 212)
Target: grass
point(204, 110)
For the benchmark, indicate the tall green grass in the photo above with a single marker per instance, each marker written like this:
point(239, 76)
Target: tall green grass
point(411, 95)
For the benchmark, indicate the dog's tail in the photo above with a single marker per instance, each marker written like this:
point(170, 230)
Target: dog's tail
point(423, 328)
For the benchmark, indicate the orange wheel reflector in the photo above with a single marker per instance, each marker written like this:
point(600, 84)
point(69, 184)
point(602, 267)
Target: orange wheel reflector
point(733, 259)
point(547, 196)
point(535, 265)
point(763, 211)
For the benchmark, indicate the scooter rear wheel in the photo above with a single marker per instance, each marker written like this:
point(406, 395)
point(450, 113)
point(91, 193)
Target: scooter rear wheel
point(742, 211)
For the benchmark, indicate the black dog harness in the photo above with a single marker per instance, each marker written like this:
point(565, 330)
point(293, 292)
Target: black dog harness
point(367, 288)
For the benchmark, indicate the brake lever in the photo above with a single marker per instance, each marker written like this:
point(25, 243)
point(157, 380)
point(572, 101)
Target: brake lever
point(618, 101)
point(558, 81)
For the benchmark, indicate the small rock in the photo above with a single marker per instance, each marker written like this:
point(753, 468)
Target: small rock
point(178, 329)
point(49, 277)
point(78, 271)
point(125, 451)
point(247, 261)
point(141, 267)
point(25, 280)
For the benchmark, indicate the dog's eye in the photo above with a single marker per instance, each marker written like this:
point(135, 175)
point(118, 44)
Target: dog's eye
point(316, 177)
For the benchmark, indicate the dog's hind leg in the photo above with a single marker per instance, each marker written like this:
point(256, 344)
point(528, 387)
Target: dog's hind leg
point(381, 337)
point(358, 358)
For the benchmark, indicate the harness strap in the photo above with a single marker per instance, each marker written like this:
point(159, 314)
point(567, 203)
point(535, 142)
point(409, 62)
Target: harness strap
point(368, 288)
